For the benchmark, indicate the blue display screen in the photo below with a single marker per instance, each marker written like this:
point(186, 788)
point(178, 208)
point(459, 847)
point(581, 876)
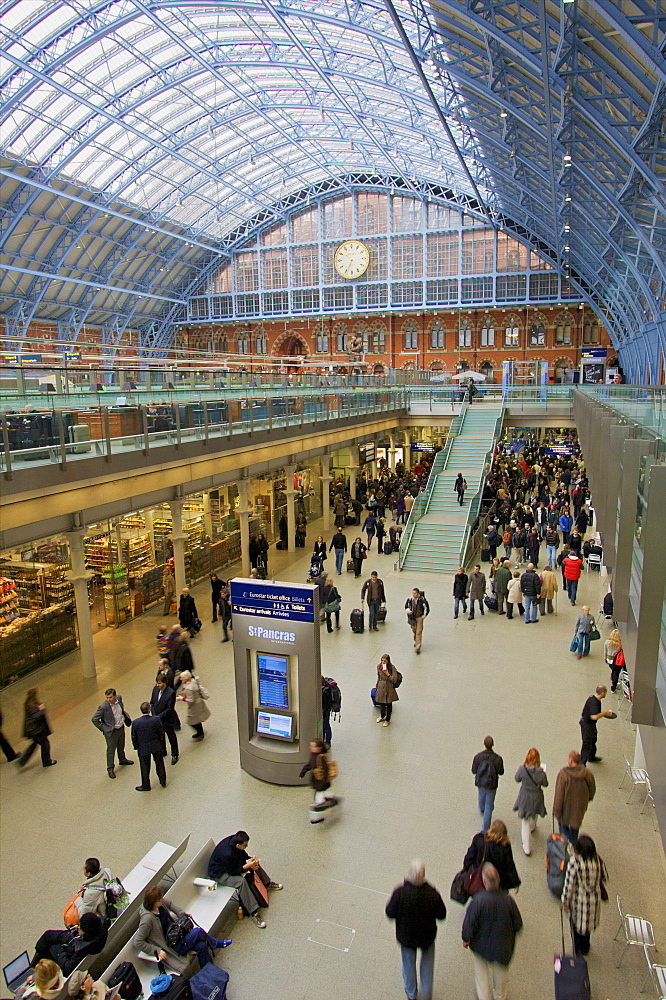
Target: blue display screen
point(273, 680)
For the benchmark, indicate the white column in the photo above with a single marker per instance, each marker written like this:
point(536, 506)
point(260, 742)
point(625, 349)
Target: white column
point(178, 537)
point(407, 460)
point(208, 515)
point(391, 453)
point(325, 461)
point(79, 577)
point(289, 471)
point(244, 511)
point(119, 544)
point(353, 470)
point(148, 518)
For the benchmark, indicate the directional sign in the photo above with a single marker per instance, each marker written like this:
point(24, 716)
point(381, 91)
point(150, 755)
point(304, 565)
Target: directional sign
point(272, 600)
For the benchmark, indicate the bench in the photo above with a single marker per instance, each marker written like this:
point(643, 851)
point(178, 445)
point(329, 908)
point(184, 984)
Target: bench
point(152, 868)
point(205, 907)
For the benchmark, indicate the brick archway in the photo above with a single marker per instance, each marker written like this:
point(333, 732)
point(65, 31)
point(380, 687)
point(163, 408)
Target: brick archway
point(290, 345)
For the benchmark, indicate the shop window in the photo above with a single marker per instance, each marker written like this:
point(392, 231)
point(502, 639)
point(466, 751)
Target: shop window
point(437, 335)
point(487, 333)
point(590, 331)
point(537, 332)
point(465, 335)
point(563, 329)
point(411, 337)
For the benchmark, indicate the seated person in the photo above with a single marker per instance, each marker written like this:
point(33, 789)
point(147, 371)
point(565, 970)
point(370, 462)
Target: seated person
point(155, 916)
point(93, 896)
point(230, 864)
point(67, 948)
point(47, 981)
point(82, 987)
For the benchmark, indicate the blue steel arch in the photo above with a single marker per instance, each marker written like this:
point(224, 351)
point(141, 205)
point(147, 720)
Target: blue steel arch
point(176, 128)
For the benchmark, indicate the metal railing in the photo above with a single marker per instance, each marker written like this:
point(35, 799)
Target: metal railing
point(477, 499)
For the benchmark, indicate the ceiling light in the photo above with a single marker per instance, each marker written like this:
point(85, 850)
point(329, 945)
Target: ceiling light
point(504, 114)
point(567, 157)
point(567, 229)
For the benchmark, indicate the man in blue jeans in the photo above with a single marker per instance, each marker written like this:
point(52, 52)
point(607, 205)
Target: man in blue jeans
point(530, 587)
point(487, 766)
point(339, 543)
point(374, 588)
point(416, 906)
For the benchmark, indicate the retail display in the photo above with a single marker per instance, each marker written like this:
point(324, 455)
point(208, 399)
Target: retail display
point(9, 601)
point(149, 584)
point(116, 595)
point(37, 638)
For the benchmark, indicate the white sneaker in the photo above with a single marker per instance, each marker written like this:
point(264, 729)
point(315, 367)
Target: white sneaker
point(258, 921)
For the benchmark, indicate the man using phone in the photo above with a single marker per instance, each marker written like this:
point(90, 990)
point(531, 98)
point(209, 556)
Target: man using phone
point(230, 864)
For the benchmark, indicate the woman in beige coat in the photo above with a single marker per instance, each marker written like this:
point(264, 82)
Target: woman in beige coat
point(195, 695)
point(548, 590)
point(386, 694)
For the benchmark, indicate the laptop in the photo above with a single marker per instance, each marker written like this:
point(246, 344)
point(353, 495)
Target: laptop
point(17, 972)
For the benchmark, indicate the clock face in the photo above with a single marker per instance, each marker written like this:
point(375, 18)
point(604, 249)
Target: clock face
point(351, 259)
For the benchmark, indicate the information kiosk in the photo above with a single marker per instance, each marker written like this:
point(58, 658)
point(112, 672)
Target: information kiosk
point(278, 676)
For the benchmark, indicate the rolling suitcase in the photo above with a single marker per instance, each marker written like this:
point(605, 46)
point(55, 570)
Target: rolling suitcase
point(210, 983)
point(485, 555)
point(572, 980)
point(179, 989)
point(490, 603)
point(381, 614)
point(373, 692)
point(356, 620)
point(350, 565)
point(388, 548)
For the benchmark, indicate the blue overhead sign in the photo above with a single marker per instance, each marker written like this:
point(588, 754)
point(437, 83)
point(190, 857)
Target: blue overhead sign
point(262, 599)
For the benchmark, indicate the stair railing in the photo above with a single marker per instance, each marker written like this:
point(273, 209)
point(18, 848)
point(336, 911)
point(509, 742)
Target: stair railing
point(475, 506)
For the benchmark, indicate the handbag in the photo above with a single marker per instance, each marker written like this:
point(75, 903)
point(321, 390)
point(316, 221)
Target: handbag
point(179, 929)
point(458, 893)
point(332, 606)
point(473, 877)
point(574, 644)
point(205, 694)
point(71, 914)
point(595, 634)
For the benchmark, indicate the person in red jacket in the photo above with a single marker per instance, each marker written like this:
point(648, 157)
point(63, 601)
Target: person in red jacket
point(572, 567)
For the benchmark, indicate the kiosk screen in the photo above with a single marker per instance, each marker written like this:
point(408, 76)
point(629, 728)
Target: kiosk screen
point(273, 680)
point(279, 727)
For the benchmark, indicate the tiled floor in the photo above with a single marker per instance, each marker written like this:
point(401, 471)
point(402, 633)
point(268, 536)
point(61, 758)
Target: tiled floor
point(407, 791)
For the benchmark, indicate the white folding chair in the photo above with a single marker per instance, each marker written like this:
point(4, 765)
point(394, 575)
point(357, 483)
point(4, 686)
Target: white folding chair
point(594, 559)
point(637, 931)
point(637, 776)
point(658, 973)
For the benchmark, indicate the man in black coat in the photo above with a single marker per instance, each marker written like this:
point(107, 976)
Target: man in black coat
point(460, 591)
point(416, 906)
point(163, 707)
point(67, 948)
point(148, 741)
point(489, 931)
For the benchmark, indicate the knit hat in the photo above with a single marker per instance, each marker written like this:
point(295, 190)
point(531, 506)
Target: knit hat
point(91, 925)
point(75, 984)
point(160, 984)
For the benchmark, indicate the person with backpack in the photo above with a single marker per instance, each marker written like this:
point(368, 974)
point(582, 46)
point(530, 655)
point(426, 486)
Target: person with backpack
point(417, 609)
point(321, 773)
point(331, 702)
point(91, 897)
point(388, 679)
point(487, 767)
point(164, 933)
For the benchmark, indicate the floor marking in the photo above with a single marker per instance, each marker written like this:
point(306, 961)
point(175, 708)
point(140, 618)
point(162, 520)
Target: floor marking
point(356, 886)
point(331, 924)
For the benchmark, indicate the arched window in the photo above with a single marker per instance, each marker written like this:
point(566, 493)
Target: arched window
point(537, 331)
point(340, 334)
point(437, 339)
point(261, 344)
point(321, 339)
point(361, 331)
point(486, 369)
point(436, 367)
point(561, 367)
point(411, 336)
point(563, 328)
point(464, 334)
point(488, 332)
point(590, 330)
point(512, 332)
point(243, 344)
point(378, 339)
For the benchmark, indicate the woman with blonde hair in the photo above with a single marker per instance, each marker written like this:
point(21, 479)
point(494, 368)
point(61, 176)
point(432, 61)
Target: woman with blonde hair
point(494, 847)
point(47, 981)
point(612, 649)
point(530, 803)
point(196, 696)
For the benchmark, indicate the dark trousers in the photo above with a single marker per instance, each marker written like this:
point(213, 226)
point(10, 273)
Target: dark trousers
point(43, 743)
point(198, 728)
point(327, 735)
point(226, 623)
point(386, 711)
point(11, 754)
point(472, 602)
point(615, 677)
point(115, 740)
point(170, 735)
point(198, 941)
point(581, 941)
point(570, 832)
point(216, 605)
point(510, 607)
point(329, 625)
point(144, 764)
point(50, 945)
point(588, 750)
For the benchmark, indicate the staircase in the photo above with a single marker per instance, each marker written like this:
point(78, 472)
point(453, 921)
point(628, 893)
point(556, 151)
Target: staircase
point(437, 535)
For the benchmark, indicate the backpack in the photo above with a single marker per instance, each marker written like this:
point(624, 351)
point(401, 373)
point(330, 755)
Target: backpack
point(556, 863)
point(486, 774)
point(179, 929)
point(334, 696)
point(326, 770)
point(126, 977)
point(116, 897)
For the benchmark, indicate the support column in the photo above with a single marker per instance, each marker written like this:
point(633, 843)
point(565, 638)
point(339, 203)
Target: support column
point(78, 577)
point(244, 511)
point(148, 518)
point(178, 537)
point(119, 543)
point(407, 460)
point(208, 515)
point(289, 471)
point(325, 462)
point(391, 452)
point(353, 470)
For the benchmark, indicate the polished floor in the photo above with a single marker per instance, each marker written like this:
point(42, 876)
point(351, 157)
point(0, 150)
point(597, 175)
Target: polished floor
point(407, 789)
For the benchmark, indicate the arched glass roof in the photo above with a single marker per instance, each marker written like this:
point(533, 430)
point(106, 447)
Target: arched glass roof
point(141, 139)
